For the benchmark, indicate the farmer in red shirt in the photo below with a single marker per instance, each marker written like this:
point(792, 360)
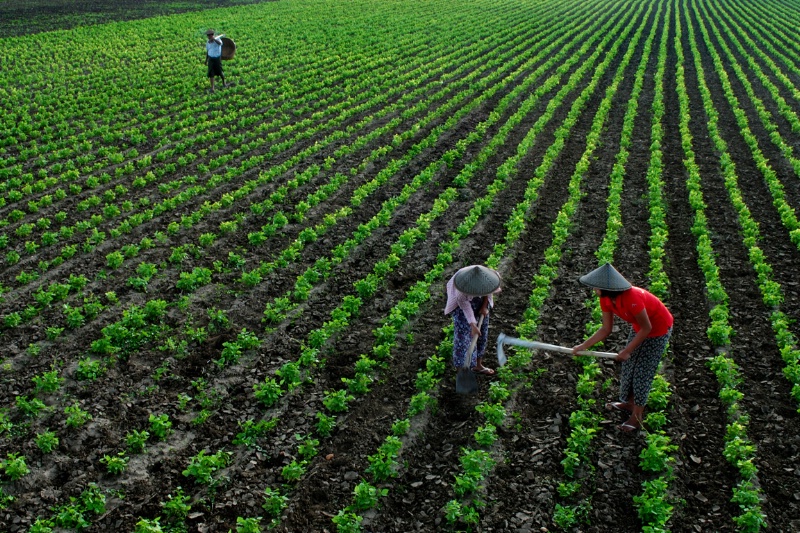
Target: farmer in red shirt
point(647, 341)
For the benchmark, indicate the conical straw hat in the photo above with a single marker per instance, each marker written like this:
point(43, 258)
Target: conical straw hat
point(477, 280)
point(606, 277)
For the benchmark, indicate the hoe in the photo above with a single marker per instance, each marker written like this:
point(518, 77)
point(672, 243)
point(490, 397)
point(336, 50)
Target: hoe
point(503, 339)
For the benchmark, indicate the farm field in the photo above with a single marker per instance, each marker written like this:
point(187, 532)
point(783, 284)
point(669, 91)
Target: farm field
point(33, 16)
point(223, 311)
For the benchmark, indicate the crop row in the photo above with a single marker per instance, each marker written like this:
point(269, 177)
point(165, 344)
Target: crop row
point(739, 450)
point(771, 292)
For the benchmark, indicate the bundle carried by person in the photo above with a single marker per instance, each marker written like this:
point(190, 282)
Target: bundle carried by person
point(228, 48)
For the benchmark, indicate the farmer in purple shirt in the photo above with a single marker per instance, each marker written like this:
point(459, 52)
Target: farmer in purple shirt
point(469, 293)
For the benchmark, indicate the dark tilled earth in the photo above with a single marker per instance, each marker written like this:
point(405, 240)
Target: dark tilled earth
point(521, 493)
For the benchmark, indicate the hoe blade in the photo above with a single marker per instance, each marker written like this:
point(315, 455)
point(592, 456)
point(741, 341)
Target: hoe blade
point(466, 382)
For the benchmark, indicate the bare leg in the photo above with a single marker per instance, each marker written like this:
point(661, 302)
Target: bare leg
point(211, 78)
point(637, 415)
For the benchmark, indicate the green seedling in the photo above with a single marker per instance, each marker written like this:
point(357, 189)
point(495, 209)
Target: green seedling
point(248, 525)
point(76, 417)
point(136, 441)
point(325, 424)
point(177, 507)
point(202, 467)
point(47, 441)
point(160, 426)
point(365, 496)
point(148, 526)
point(14, 466)
point(115, 464)
point(274, 502)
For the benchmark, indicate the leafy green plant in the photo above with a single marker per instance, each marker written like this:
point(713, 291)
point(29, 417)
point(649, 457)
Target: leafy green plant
point(177, 506)
point(401, 427)
point(453, 511)
point(14, 466)
point(136, 441)
point(115, 464)
point(146, 525)
point(494, 413)
point(336, 401)
point(290, 375)
point(486, 435)
point(267, 392)
point(160, 426)
point(655, 456)
point(293, 471)
point(307, 447)
point(652, 505)
point(252, 431)
point(325, 424)
point(347, 522)
point(76, 417)
point(202, 467)
point(365, 496)
point(30, 408)
point(89, 370)
point(564, 516)
point(47, 441)
point(274, 502)
point(47, 382)
point(42, 525)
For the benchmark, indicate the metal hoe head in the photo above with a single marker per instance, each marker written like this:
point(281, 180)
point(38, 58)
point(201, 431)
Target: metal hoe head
point(466, 382)
point(501, 353)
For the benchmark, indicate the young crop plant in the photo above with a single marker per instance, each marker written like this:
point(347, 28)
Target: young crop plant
point(336, 401)
point(89, 370)
point(308, 447)
point(146, 525)
point(248, 525)
point(76, 417)
point(136, 441)
point(14, 466)
point(177, 506)
point(325, 424)
point(366, 496)
point(30, 408)
point(115, 464)
point(160, 425)
point(267, 392)
point(202, 467)
point(48, 382)
point(252, 431)
point(274, 502)
point(293, 471)
point(47, 441)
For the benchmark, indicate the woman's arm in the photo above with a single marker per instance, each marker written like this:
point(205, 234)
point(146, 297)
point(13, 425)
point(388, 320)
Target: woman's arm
point(645, 327)
point(599, 335)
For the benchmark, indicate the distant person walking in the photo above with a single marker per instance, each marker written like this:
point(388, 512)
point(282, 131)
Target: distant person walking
point(214, 58)
point(651, 327)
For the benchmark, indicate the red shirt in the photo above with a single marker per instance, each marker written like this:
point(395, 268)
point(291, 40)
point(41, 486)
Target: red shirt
point(631, 302)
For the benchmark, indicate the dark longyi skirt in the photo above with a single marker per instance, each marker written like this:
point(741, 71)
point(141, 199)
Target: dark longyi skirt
point(215, 66)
